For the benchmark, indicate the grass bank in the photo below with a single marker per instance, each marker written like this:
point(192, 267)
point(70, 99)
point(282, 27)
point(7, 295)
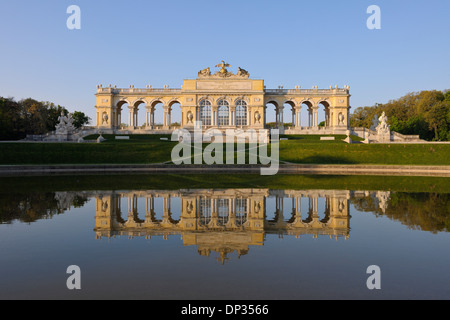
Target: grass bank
point(148, 149)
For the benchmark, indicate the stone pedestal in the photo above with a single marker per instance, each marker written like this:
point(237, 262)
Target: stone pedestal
point(384, 137)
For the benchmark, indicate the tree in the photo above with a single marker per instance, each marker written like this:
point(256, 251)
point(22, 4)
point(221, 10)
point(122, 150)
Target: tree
point(11, 120)
point(35, 114)
point(447, 96)
point(436, 117)
point(80, 119)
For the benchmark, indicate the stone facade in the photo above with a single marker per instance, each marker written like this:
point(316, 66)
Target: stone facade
point(223, 100)
point(222, 220)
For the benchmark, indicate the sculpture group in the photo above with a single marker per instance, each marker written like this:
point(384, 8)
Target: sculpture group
point(65, 131)
point(223, 72)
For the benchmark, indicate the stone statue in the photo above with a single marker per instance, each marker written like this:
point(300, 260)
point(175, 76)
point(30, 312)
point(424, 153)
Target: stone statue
point(105, 118)
point(243, 72)
point(223, 67)
point(223, 72)
point(383, 199)
point(341, 118)
point(190, 116)
point(65, 124)
point(204, 72)
point(69, 121)
point(383, 127)
point(189, 207)
point(257, 117)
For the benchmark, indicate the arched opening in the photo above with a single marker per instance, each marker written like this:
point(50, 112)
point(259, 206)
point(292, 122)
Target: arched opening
point(307, 114)
point(139, 213)
point(121, 106)
point(140, 109)
point(175, 114)
point(270, 205)
point(324, 119)
point(325, 217)
point(272, 119)
point(289, 114)
point(156, 115)
point(175, 210)
point(312, 209)
point(157, 210)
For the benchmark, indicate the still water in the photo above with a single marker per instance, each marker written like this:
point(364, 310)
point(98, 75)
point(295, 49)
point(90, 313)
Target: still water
point(224, 243)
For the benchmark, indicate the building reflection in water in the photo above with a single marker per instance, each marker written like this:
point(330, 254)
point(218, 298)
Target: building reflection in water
point(224, 221)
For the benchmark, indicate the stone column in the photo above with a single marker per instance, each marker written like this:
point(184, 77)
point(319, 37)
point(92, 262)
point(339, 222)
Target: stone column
point(166, 118)
point(309, 117)
point(282, 116)
point(152, 118)
point(169, 117)
point(298, 119)
point(315, 117)
point(214, 115)
point(197, 116)
point(232, 116)
point(293, 117)
point(149, 209)
point(298, 206)
point(131, 117)
point(147, 117)
point(281, 119)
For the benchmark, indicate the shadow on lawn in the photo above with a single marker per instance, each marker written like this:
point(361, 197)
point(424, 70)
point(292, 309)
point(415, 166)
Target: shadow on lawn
point(319, 159)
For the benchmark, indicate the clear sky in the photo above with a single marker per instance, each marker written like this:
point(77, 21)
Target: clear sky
point(289, 43)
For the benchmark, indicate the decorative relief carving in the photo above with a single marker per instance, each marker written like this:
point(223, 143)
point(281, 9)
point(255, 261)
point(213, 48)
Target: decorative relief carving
point(225, 85)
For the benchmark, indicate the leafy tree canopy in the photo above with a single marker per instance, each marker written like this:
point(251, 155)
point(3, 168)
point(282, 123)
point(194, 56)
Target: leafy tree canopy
point(29, 116)
point(424, 113)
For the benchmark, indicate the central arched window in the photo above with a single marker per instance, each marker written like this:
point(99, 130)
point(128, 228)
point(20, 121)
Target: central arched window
point(222, 211)
point(204, 211)
point(223, 112)
point(240, 211)
point(205, 112)
point(241, 113)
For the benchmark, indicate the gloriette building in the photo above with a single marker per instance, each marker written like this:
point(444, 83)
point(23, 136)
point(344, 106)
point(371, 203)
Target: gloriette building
point(223, 100)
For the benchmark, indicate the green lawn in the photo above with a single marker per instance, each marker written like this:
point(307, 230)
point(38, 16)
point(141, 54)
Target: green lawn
point(297, 151)
point(142, 149)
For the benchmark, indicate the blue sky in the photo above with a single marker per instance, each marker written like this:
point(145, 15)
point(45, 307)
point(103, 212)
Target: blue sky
point(285, 43)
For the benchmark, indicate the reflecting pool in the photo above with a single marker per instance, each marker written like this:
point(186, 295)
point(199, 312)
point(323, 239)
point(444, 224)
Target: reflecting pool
point(254, 242)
